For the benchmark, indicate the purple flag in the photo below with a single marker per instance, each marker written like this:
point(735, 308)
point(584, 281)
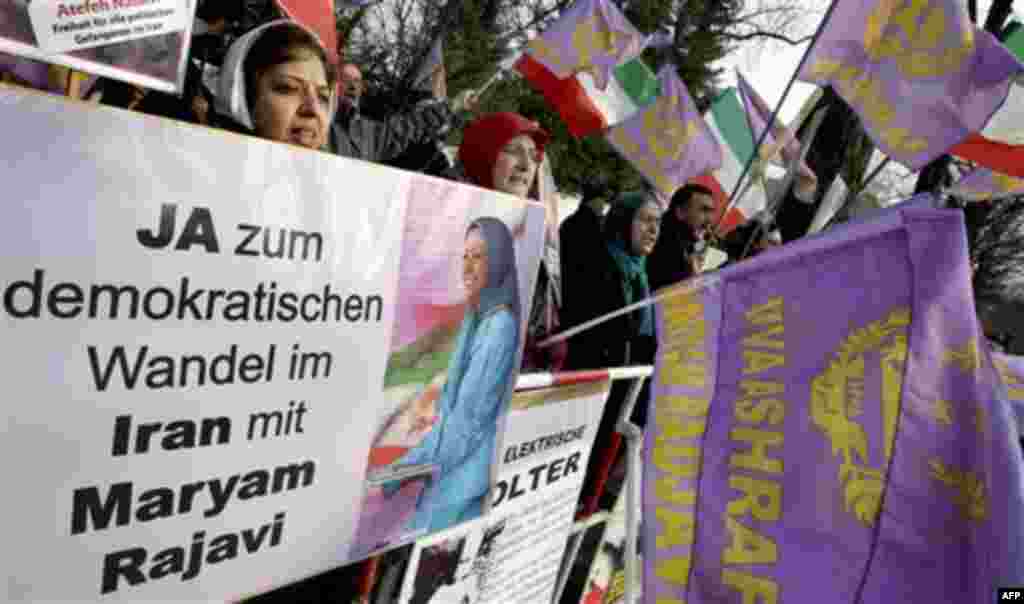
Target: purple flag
point(985, 185)
point(826, 424)
point(592, 35)
point(758, 113)
point(922, 77)
point(1011, 370)
point(668, 141)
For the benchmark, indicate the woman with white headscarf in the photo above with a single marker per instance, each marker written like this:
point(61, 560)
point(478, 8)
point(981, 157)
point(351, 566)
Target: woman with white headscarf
point(480, 378)
point(277, 83)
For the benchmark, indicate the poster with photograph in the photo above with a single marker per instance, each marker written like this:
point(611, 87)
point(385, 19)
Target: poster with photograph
point(210, 333)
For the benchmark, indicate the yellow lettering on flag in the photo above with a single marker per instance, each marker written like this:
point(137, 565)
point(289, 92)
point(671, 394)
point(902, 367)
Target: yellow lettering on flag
point(756, 361)
point(748, 546)
point(684, 405)
point(942, 412)
point(762, 498)
point(755, 590)
point(675, 427)
point(769, 338)
point(769, 313)
point(676, 528)
point(675, 570)
point(755, 412)
point(590, 39)
point(677, 372)
point(666, 454)
point(757, 458)
point(667, 489)
point(545, 52)
point(760, 388)
point(968, 358)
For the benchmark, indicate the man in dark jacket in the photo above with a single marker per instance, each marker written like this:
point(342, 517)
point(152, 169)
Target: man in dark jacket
point(675, 257)
point(579, 235)
point(355, 135)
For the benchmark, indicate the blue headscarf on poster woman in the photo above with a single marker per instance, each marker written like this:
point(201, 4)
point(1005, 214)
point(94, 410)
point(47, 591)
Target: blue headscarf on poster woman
point(479, 381)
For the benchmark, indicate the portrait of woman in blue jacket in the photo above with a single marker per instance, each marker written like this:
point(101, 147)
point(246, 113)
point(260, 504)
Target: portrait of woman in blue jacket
point(479, 380)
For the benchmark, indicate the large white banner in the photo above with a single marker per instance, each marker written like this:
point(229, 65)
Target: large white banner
point(197, 328)
point(513, 553)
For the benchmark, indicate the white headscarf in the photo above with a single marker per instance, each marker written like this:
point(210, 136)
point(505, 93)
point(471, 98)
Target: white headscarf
point(230, 99)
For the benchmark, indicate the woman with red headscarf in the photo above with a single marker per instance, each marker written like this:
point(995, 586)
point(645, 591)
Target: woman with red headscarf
point(503, 152)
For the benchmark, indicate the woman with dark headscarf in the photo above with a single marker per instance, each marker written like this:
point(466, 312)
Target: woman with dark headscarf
point(616, 277)
point(503, 152)
point(461, 442)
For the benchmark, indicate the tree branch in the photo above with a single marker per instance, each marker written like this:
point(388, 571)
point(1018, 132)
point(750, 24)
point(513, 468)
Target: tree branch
point(766, 34)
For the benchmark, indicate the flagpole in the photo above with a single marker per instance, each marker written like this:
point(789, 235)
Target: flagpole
point(685, 288)
point(805, 146)
point(778, 106)
point(490, 82)
point(852, 196)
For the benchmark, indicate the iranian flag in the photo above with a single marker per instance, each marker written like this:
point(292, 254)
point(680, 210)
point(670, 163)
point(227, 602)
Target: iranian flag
point(729, 124)
point(582, 105)
point(1000, 146)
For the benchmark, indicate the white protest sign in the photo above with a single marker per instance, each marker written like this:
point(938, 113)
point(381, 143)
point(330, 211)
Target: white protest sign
point(197, 328)
point(145, 42)
point(65, 26)
point(512, 554)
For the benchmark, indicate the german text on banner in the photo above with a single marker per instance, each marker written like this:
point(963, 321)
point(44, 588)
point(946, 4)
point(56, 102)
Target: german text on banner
point(145, 42)
point(919, 73)
point(215, 333)
point(513, 553)
point(668, 141)
point(827, 424)
point(592, 36)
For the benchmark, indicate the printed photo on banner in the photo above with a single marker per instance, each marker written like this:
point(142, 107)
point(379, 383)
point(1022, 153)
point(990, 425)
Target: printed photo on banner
point(144, 42)
point(220, 337)
point(466, 272)
point(517, 546)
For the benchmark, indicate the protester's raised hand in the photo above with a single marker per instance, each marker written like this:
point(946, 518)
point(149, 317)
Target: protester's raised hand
point(466, 100)
point(439, 84)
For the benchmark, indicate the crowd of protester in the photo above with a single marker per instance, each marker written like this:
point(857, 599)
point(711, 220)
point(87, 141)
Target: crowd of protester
point(277, 81)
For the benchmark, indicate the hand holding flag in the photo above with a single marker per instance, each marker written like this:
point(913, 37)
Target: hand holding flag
point(780, 143)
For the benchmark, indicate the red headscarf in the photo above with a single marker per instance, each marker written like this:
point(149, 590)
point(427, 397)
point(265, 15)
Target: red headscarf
point(484, 139)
